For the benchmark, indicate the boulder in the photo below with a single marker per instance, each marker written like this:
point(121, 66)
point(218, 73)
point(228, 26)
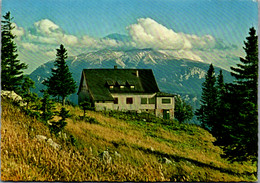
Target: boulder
point(41, 138)
point(167, 161)
point(117, 154)
point(62, 135)
point(13, 96)
point(53, 144)
point(106, 157)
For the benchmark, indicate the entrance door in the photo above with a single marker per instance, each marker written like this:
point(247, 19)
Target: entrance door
point(166, 114)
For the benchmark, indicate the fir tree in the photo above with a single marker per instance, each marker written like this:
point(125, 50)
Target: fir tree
point(244, 122)
point(57, 127)
point(61, 83)
point(11, 67)
point(221, 109)
point(47, 107)
point(207, 112)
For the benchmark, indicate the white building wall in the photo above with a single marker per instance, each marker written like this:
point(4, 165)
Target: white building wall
point(122, 104)
point(160, 107)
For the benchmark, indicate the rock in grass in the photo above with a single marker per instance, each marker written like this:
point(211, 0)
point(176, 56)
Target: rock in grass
point(53, 144)
point(14, 97)
point(41, 138)
point(106, 157)
point(117, 154)
point(167, 161)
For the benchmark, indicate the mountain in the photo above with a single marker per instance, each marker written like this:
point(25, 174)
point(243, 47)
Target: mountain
point(180, 76)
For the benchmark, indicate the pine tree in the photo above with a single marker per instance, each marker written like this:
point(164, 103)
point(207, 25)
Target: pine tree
point(221, 108)
point(47, 107)
point(61, 83)
point(12, 68)
point(57, 127)
point(207, 112)
point(244, 122)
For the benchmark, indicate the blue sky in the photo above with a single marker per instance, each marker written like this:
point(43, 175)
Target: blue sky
point(91, 20)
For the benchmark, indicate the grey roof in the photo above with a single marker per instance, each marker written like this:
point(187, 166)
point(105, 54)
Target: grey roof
point(98, 81)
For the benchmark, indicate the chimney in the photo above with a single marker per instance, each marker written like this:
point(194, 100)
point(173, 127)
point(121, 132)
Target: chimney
point(137, 73)
point(115, 66)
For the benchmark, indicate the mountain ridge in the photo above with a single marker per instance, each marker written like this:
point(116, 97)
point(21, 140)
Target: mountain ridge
point(173, 75)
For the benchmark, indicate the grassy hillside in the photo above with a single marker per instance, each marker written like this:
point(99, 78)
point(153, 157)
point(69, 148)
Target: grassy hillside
point(139, 150)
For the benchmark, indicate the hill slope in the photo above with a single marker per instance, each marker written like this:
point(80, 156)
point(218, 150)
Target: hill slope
point(139, 150)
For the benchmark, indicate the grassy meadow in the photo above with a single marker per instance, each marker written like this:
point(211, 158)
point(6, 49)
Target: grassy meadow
point(138, 150)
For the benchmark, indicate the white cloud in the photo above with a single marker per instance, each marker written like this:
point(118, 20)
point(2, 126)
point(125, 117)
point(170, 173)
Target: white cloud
point(92, 43)
point(30, 46)
point(148, 33)
point(69, 39)
point(46, 27)
point(18, 31)
point(51, 53)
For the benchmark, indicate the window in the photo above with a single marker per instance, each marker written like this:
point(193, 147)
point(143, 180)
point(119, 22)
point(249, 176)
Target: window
point(111, 87)
point(122, 86)
point(143, 100)
point(152, 100)
point(166, 101)
point(132, 86)
point(129, 100)
point(115, 100)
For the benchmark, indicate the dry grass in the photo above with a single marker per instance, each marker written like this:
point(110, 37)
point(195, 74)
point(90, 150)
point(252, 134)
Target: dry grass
point(193, 156)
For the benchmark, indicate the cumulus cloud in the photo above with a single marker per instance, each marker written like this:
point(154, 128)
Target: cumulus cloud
point(47, 32)
point(47, 27)
point(149, 33)
point(18, 31)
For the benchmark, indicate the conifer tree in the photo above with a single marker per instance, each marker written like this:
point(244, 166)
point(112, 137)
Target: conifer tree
point(11, 67)
point(221, 109)
point(57, 127)
point(244, 124)
point(207, 112)
point(47, 107)
point(61, 83)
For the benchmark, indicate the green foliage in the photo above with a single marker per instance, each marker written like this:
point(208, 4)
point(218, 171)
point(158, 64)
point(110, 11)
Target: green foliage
point(229, 111)
point(207, 112)
point(11, 67)
point(243, 121)
point(26, 94)
point(57, 127)
point(72, 140)
point(86, 105)
point(182, 111)
point(47, 107)
point(61, 83)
